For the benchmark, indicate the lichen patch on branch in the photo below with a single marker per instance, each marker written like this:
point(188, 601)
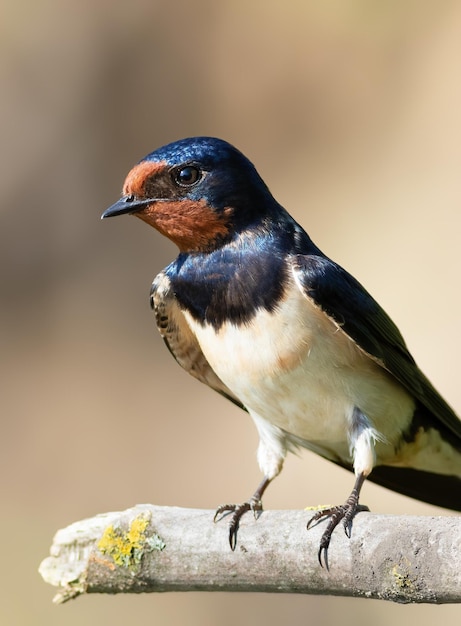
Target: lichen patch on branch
point(127, 547)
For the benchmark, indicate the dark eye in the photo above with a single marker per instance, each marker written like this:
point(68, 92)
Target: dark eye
point(187, 175)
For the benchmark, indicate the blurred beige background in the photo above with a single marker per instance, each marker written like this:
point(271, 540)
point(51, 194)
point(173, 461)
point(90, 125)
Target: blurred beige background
point(351, 111)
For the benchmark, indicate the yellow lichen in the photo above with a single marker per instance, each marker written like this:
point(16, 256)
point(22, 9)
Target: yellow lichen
point(319, 507)
point(126, 547)
point(401, 578)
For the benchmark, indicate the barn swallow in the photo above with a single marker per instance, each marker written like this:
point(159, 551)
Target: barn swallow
point(252, 308)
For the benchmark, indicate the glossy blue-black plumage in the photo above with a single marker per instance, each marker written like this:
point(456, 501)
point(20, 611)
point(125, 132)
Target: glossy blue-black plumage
point(230, 178)
point(242, 276)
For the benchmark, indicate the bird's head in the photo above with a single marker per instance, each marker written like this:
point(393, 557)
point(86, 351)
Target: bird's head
point(199, 192)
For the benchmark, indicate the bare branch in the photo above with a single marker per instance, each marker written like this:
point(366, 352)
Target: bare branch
point(150, 548)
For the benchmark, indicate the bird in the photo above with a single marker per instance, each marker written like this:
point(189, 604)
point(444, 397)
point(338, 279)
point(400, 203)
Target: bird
point(254, 309)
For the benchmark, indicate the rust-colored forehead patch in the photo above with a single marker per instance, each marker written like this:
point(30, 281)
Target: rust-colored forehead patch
point(136, 180)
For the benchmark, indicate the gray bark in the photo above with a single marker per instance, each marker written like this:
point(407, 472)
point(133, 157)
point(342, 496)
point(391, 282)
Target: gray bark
point(150, 548)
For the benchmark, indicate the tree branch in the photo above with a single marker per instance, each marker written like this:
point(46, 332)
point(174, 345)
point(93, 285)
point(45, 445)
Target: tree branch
point(150, 548)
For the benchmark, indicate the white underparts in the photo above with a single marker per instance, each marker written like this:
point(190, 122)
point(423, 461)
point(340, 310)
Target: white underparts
point(301, 378)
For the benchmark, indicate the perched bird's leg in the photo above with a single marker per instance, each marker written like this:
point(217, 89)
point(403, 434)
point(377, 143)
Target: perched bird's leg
point(362, 437)
point(238, 510)
point(344, 512)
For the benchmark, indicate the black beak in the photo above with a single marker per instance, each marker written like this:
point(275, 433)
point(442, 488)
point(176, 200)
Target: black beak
point(127, 204)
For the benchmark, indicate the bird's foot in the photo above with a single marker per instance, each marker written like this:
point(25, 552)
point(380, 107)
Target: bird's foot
point(237, 512)
point(343, 512)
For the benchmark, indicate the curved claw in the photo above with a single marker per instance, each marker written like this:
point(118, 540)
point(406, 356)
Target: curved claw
point(222, 510)
point(238, 511)
point(336, 514)
point(318, 516)
point(345, 512)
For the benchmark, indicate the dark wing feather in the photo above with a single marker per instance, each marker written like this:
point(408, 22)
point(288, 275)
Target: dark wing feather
point(345, 300)
point(180, 340)
point(438, 489)
point(360, 316)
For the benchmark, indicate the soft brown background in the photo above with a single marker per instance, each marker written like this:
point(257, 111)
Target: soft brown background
point(351, 111)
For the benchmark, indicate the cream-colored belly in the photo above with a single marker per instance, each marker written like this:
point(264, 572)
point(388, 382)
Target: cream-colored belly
point(297, 369)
